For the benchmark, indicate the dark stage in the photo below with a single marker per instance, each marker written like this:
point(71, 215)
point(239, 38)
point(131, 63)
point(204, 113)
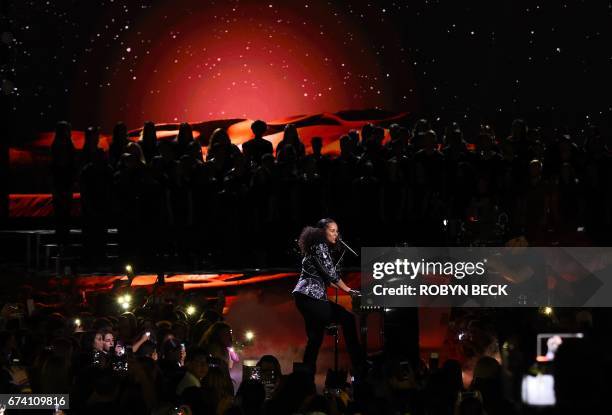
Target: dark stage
point(184, 186)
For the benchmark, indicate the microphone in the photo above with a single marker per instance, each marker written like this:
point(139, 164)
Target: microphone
point(348, 247)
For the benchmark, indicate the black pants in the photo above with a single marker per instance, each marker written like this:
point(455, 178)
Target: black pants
point(317, 315)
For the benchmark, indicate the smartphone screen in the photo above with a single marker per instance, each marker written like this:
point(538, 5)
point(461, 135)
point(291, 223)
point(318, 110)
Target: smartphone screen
point(538, 390)
point(256, 373)
point(548, 343)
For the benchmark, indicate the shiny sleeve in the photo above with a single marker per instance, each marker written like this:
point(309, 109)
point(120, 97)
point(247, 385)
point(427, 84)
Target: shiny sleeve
point(325, 263)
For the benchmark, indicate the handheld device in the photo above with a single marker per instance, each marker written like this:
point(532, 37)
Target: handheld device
point(121, 348)
point(548, 343)
point(256, 373)
point(538, 390)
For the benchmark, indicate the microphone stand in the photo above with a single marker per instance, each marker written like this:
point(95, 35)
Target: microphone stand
point(348, 247)
point(363, 327)
point(336, 340)
point(336, 332)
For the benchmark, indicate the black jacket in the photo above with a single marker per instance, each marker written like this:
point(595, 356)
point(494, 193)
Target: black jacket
point(318, 272)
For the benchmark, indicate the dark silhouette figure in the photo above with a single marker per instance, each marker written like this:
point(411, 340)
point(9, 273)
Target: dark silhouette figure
point(518, 138)
point(120, 141)
point(322, 162)
point(63, 171)
point(90, 147)
point(292, 138)
point(367, 204)
point(264, 212)
point(148, 141)
point(221, 153)
point(343, 171)
point(183, 139)
point(96, 182)
point(428, 190)
point(256, 147)
point(128, 188)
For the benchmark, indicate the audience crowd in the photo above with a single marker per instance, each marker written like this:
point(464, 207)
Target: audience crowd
point(191, 201)
point(205, 201)
point(158, 356)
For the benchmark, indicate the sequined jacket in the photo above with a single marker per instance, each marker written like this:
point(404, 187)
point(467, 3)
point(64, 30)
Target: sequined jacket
point(318, 272)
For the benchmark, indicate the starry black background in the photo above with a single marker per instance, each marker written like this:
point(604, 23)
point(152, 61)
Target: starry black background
point(467, 61)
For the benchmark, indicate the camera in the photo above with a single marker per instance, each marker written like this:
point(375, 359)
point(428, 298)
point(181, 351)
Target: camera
point(255, 373)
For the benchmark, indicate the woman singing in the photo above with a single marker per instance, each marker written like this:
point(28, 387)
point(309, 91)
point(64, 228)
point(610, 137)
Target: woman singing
point(310, 293)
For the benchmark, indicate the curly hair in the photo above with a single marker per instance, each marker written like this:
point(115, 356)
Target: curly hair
point(313, 235)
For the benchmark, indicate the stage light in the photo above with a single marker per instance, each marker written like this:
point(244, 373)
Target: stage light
point(249, 335)
point(124, 301)
point(129, 269)
point(547, 310)
point(190, 310)
point(77, 322)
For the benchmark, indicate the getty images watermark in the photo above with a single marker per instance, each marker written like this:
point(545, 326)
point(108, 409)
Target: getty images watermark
point(487, 277)
point(423, 269)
